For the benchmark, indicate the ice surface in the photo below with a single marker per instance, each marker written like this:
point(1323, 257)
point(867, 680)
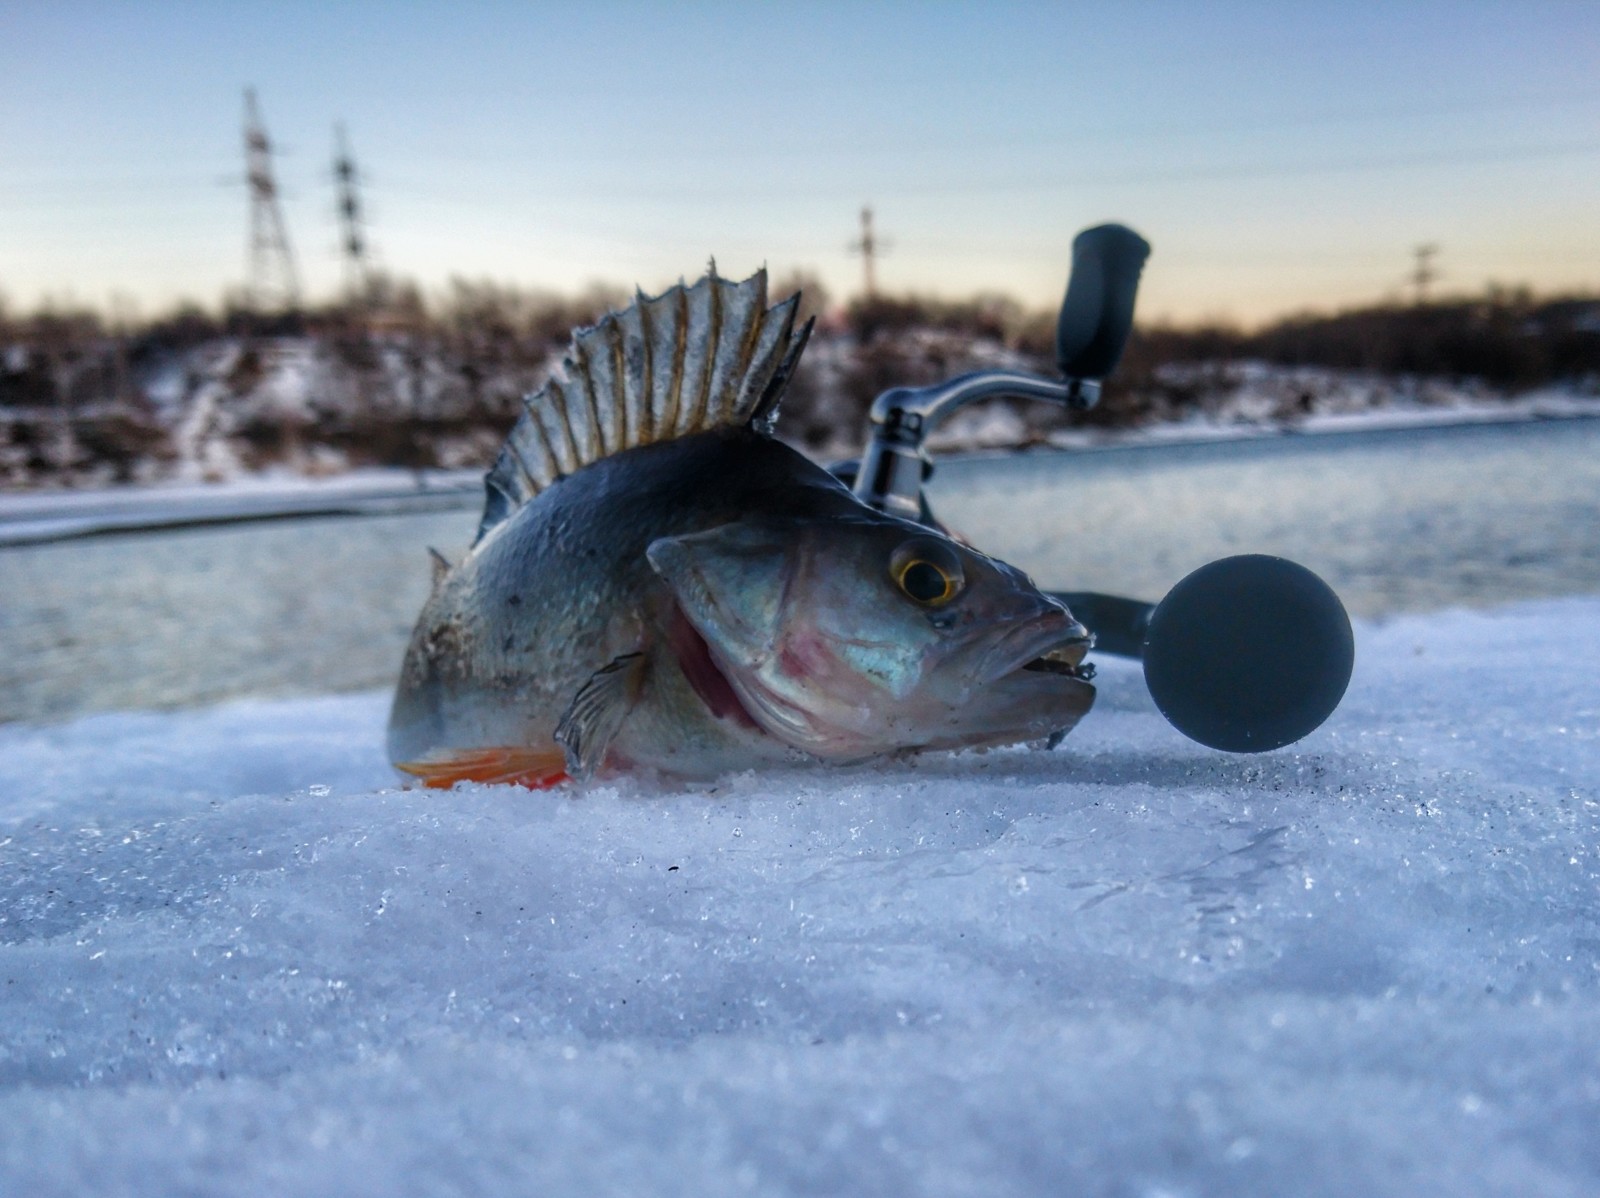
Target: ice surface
point(235, 959)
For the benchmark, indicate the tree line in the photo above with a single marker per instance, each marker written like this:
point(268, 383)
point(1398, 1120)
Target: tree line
point(401, 379)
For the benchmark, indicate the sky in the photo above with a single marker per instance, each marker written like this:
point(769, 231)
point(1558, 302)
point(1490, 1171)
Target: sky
point(1279, 157)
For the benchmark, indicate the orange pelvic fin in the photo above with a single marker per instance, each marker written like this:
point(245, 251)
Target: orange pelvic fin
point(537, 769)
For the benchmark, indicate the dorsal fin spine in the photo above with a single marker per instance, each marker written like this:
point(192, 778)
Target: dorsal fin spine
point(680, 355)
point(761, 343)
point(634, 350)
point(584, 380)
point(549, 466)
point(699, 405)
point(582, 376)
point(768, 358)
point(627, 432)
point(572, 395)
point(603, 375)
point(552, 424)
point(530, 483)
point(766, 409)
point(741, 315)
point(752, 334)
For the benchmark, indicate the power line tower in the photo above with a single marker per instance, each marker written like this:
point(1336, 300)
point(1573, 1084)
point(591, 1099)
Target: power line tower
point(869, 246)
point(1424, 274)
point(352, 226)
point(273, 279)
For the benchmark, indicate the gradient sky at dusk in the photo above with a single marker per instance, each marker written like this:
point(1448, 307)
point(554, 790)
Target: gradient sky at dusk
point(1279, 156)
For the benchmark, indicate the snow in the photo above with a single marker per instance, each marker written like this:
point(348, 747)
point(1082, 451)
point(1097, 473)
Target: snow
point(235, 958)
point(1260, 399)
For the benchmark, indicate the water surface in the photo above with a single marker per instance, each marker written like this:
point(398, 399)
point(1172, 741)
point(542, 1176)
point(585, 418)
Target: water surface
point(1411, 520)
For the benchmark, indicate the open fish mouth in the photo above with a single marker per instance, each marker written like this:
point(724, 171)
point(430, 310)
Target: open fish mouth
point(1051, 643)
point(1066, 660)
point(1033, 684)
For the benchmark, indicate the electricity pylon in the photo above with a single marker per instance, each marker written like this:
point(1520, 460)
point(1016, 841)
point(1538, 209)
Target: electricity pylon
point(869, 246)
point(1424, 274)
point(274, 283)
point(352, 226)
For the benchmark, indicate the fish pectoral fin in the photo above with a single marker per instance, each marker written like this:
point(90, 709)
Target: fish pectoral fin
point(536, 769)
point(596, 713)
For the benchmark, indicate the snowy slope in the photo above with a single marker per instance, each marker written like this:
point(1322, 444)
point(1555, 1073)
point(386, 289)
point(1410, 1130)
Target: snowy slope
point(235, 960)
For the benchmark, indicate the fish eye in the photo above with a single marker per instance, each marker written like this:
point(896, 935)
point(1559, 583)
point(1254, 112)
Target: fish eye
point(927, 571)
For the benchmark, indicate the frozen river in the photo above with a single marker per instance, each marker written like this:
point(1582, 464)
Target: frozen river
point(1397, 521)
point(236, 958)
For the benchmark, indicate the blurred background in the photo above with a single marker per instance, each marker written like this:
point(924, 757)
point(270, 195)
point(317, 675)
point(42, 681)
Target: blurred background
point(374, 256)
point(287, 243)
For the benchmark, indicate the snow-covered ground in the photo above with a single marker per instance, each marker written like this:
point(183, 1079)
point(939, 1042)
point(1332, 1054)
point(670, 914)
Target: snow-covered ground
point(235, 959)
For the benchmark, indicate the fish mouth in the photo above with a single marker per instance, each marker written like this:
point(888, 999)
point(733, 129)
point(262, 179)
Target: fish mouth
point(1032, 684)
point(1066, 660)
point(1050, 643)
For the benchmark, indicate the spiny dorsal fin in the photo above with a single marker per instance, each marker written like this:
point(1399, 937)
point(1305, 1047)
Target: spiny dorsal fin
point(691, 359)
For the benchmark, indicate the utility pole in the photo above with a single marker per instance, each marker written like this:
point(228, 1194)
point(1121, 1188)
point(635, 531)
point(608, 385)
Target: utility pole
point(352, 227)
point(869, 247)
point(1424, 274)
point(273, 279)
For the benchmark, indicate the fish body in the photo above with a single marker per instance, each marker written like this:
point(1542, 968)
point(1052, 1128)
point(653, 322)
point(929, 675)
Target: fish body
point(709, 599)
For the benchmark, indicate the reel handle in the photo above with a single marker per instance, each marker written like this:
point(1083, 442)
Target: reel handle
point(1097, 311)
point(1091, 330)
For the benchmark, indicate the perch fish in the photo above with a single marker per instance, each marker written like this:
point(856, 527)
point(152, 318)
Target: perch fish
point(660, 585)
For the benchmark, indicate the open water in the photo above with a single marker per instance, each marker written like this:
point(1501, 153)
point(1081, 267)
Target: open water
point(1409, 520)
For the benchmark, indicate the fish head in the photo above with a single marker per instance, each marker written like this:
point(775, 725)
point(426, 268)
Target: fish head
point(849, 638)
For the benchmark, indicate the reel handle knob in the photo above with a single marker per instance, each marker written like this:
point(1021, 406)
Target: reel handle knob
point(1248, 653)
point(1097, 311)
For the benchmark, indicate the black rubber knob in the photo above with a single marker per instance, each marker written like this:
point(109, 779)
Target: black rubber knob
point(1249, 653)
point(1097, 312)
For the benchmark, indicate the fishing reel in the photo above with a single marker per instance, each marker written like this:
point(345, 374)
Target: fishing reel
point(1246, 654)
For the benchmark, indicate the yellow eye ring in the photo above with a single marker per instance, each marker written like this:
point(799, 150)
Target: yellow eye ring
point(927, 571)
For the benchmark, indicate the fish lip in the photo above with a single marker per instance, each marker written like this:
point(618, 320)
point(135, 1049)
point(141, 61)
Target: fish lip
point(1053, 631)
